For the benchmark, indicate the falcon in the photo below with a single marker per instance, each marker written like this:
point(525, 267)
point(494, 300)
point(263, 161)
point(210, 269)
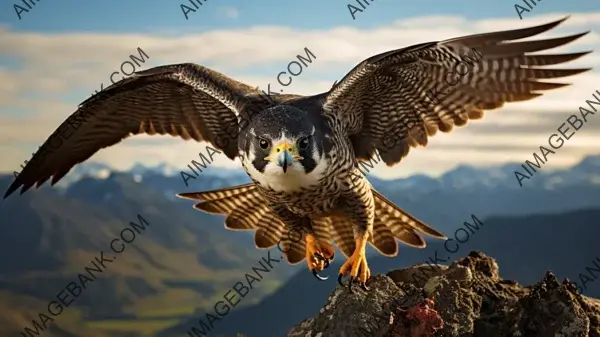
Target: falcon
point(303, 152)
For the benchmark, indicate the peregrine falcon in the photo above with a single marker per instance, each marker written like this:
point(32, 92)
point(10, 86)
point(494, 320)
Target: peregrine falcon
point(302, 152)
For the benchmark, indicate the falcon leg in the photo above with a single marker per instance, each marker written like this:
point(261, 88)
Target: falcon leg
point(319, 255)
point(357, 265)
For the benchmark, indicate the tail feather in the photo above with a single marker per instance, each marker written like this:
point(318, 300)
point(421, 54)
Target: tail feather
point(222, 201)
point(383, 239)
point(223, 193)
point(342, 234)
point(217, 207)
point(269, 235)
point(295, 251)
point(246, 209)
point(402, 220)
point(244, 218)
point(391, 223)
point(243, 205)
point(322, 228)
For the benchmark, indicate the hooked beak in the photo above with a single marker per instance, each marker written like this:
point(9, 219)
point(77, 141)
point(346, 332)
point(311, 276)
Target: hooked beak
point(284, 155)
point(284, 158)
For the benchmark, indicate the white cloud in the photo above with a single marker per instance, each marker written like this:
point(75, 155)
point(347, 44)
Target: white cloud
point(55, 67)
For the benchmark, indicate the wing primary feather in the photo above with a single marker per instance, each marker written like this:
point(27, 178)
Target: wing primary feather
point(517, 48)
point(513, 34)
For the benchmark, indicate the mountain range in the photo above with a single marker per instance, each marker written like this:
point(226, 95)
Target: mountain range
point(184, 261)
point(439, 201)
point(462, 177)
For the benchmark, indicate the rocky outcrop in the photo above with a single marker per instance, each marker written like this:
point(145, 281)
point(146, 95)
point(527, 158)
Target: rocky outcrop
point(466, 299)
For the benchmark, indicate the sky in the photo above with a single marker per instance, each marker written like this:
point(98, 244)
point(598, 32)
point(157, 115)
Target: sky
point(59, 52)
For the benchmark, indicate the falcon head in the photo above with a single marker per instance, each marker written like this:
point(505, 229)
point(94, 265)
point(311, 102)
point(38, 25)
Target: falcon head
point(284, 149)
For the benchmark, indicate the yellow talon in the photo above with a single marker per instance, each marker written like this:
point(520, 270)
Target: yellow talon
point(357, 265)
point(318, 255)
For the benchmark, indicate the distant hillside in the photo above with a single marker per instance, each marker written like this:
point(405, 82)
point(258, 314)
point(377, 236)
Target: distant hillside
point(181, 261)
point(438, 201)
point(525, 248)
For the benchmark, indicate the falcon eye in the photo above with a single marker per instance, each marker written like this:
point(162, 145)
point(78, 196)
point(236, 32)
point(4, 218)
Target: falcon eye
point(303, 143)
point(263, 143)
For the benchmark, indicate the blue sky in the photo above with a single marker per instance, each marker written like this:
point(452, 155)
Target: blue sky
point(61, 51)
point(151, 15)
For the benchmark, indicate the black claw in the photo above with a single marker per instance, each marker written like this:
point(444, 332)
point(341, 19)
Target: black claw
point(326, 264)
point(340, 276)
point(319, 277)
point(363, 285)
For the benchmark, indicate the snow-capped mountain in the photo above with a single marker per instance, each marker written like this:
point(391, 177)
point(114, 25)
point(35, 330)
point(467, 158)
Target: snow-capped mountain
point(445, 201)
point(463, 177)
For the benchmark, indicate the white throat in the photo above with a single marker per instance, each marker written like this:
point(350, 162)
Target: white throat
point(293, 180)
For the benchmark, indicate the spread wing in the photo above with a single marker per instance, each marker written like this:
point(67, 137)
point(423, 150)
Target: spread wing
point(395, 100)
point(185, 100)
